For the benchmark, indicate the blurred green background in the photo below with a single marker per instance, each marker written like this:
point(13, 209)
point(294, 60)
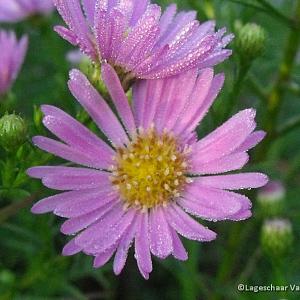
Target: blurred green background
point(31, 266)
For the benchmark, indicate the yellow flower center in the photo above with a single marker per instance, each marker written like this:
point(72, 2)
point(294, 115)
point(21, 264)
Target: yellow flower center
point(151, 170)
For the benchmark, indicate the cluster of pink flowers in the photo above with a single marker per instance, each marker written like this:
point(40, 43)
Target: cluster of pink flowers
point(12, 11)
point(12, 54)
point(138, 40)
point(143, 184)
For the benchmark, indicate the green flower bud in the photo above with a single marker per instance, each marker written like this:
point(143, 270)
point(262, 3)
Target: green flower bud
point(276, 237)
point(271, 198)
point(13, 131)
point(250, 41)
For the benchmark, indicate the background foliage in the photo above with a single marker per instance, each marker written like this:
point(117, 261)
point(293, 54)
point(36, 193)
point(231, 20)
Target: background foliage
point(31, 266)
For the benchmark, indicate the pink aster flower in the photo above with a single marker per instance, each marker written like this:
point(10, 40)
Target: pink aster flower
point(142, 185)
point(16, 10)
point(137, 40)
point(12, 54)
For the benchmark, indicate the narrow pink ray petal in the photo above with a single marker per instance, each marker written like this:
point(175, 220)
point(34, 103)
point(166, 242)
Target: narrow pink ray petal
point(66, 34)
point(123, 247)
point(195, 117)
point(119, 98)
point(160, 235)
point(74, 133)
point(227, 163)
point(102, 258)
point(186, 226)
point(167, 18)
point(225, 139)
point(111, 234)
point(68, 153)
point(70, 248)
point(212, 203)
point(79, 223)
point(142, 245)
point(50, 203)
point(85, 205)
point(234, 181)
point(251, 141)
point(179, 251)
point(94, 104)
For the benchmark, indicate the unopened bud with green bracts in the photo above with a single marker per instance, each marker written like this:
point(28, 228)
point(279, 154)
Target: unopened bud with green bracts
point(250, 41)
point(276, 237)
point(271, 199)
point(13, 131)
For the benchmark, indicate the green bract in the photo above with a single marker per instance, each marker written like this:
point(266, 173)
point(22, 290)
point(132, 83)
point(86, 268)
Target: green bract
point(13, 130)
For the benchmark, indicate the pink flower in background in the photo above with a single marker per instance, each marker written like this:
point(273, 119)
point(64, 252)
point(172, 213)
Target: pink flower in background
point(141, 186)
point(12, 54)
point(16, 10)
point(138, 41)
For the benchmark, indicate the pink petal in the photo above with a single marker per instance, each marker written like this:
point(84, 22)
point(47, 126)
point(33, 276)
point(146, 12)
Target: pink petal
point(68, 153)
point(97, 108)
point(70, 178)
point(138, 10)
point(70, 248)
point(107, 231)
point(182, 93)
point(66, 34)
point(251, 141)
point(102, 258)
point(212, 203)
point(243, 215)
point(201, 89)
point(227, 163)
point(142, 245)
point(167, 18)
point(119, 98)
point(75, 134)
point(225, 139)
point(50, 203)
point(197, 116)
point(79, 223)
point(234, 181)
point(160, 235)
point(85, 205)
point(123, 248)
point(179, 251)
point(186, 226)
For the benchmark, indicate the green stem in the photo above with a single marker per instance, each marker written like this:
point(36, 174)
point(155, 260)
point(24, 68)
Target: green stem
point(257, 88)
point(225, 268)
point(14, 208)
point(276, 96)
point(237, 88)
point(190, 286)
point(278, 271)
point(250, 266)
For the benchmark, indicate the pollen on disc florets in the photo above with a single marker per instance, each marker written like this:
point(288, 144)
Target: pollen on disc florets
point(151, 170)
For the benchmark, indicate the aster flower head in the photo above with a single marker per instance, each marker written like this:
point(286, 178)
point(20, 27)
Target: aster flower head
point(12, 54)
point(16, 10)
point(142, 186)
point(137, 40)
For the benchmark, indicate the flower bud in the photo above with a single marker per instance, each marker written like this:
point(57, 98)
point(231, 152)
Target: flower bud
point(13, 131)
point(271, 198)
point(250, 41)
point(276, 237)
